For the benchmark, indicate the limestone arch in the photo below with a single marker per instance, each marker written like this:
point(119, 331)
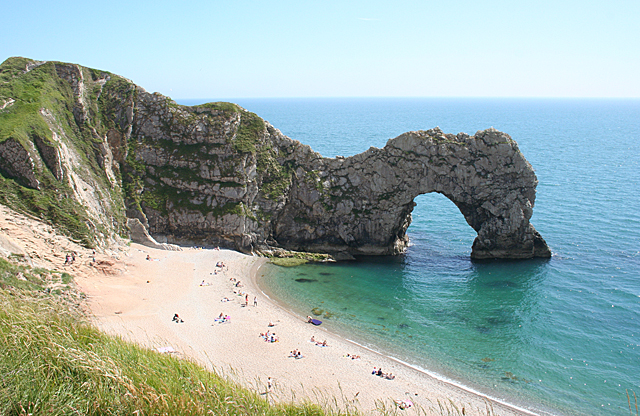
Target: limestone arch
point(363, 204)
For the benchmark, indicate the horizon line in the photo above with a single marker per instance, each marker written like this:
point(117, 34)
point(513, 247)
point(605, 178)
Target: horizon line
point(412, 97)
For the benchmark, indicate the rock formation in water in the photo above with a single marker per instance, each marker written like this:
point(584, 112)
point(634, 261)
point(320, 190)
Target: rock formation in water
point(216, 174)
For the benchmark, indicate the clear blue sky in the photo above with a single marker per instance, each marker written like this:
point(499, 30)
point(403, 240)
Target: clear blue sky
point(262, 48)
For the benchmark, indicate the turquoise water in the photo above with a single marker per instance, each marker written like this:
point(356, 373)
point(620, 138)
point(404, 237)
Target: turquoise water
point(559, 335)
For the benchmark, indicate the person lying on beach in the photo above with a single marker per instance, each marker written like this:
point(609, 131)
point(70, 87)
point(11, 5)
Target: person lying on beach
point(177, 319)
point(404, 404)
point(225, 299)
point(389, 376)
point(222, 318)
point(352, 356)
point(313, 321)
point(271, 324)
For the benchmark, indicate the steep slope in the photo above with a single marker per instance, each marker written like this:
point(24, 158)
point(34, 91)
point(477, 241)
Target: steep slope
point(54, 159)
point(216, 174)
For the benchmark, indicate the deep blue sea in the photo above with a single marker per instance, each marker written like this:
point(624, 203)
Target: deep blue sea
point(560, 336)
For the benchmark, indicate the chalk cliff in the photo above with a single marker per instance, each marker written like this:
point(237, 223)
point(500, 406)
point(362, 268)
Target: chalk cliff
point(216, 174)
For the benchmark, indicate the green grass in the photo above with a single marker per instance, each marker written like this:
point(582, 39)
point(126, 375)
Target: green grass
point(249, 133)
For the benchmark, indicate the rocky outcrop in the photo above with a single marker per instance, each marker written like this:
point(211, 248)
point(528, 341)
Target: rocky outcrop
point(363, 204)
point(16, 163)
point(216, 174)
point(140, 235)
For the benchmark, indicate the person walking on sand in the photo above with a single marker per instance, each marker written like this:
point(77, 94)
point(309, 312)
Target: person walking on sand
point(246, 300)
point(255, 301)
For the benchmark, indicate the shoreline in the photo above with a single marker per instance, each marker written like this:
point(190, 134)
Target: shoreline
point(421, 372)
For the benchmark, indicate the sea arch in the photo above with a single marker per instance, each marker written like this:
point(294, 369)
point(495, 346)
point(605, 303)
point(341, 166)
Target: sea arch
point(362, 205)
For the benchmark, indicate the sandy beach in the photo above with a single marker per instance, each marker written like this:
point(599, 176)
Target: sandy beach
point(134, 291)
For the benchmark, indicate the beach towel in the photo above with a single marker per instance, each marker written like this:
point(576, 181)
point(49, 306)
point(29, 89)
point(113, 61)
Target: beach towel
point(316, 322)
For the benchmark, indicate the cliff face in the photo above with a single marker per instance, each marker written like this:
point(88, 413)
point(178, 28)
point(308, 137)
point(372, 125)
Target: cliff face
point(54, 157)
point(217, 174)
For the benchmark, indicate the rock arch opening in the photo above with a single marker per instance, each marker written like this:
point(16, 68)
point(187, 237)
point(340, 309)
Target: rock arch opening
point(438, 227)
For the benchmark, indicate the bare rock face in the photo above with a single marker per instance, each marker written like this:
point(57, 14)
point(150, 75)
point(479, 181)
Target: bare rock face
point(16, 162)
point(202, 184)
point(362, 204)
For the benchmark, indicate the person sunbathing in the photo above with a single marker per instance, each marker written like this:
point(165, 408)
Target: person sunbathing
point(404, 404)
point(222, 318)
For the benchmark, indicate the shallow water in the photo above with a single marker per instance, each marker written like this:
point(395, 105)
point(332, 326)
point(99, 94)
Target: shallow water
point(560, 334)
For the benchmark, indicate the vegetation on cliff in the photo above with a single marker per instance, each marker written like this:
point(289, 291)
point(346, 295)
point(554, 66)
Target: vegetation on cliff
point(40, 124)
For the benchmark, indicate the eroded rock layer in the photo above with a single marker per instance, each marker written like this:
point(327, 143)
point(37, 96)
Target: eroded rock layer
point(216, 174)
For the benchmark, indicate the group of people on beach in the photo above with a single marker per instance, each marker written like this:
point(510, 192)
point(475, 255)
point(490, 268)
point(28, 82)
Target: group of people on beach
point(378, 372)
point(269, 336)
point(70, 258)
point(222, 318)
point(318, 343)
point(296, 354)
point(177, 319)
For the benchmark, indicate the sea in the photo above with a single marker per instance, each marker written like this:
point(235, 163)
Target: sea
point(557, 336)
